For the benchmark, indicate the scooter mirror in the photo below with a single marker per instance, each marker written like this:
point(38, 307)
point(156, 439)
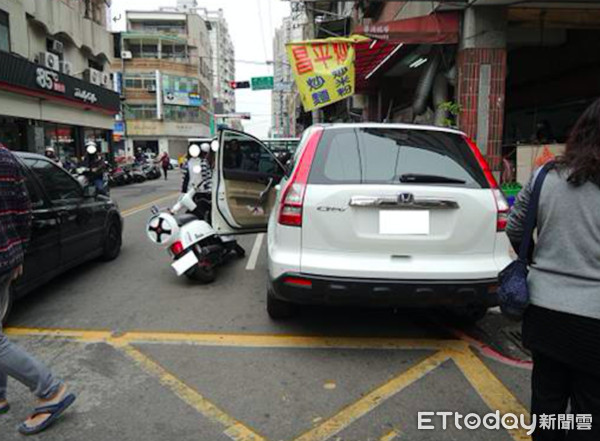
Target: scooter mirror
point(214, 145)
point(194, 150)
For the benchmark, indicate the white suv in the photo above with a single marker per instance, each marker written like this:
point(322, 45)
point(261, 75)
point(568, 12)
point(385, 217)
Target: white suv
point(369, 214)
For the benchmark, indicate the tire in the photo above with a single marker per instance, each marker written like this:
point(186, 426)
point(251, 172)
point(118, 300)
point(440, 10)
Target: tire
point(239, 251)
point(280, 310)
point(469, 315)
point(113, 241)
point(204, 274)
point(6, 302)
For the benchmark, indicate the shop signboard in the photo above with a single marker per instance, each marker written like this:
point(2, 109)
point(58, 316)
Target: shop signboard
point(35, 80)
point(324, 70)
point(182, 98)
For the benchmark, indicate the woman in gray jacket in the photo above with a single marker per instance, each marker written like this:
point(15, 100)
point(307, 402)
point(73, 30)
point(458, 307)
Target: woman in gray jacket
point(561, 327)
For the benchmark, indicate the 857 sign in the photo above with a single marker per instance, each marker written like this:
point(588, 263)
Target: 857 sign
point(49, 80)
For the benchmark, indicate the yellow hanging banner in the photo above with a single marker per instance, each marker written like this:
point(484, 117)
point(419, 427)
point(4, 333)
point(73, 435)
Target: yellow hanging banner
point(323, 70)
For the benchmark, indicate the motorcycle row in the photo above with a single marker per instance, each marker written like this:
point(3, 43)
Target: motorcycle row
point(119, 175)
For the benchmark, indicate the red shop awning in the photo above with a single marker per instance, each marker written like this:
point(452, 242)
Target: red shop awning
point(389, 38)
point(437, 28)
point(370, 57)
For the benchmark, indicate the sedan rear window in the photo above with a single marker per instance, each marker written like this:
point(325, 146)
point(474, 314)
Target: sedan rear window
point(395, 156)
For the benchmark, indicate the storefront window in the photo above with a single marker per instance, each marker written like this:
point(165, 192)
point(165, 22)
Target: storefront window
point(99, 136)
point(13, 133)
point(62, 139)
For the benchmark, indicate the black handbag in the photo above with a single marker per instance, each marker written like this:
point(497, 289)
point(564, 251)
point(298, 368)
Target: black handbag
point(513, 292)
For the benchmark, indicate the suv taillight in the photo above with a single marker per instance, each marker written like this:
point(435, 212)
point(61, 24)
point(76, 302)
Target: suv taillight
point(292, 200)
point(503, 209)
point(501, 204)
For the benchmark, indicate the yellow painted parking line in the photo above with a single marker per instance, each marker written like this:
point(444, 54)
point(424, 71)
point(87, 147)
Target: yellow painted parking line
point(493, 392)
point(147, 205)
point(242, 340)
point(373, 399)
point(234, 429)
point(390, 436)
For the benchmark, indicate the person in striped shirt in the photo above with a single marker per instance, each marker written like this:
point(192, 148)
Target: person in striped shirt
point(15, 224)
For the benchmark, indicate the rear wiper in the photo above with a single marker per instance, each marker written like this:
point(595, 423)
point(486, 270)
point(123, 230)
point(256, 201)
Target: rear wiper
point(429, 179)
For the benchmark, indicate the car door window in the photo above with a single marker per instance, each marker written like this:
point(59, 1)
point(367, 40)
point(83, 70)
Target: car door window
point(33, 191)
point(60, 187)
point(244, 157)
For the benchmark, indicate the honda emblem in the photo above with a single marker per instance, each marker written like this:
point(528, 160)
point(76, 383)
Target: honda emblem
point(406, 198)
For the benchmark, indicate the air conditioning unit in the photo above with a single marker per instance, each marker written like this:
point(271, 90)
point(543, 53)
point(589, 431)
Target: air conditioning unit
point(106, 80)
point(66, 67)
point(57, 47)
point(93, 76)
point(126, 55)
point(152, 88)
point(51, 61)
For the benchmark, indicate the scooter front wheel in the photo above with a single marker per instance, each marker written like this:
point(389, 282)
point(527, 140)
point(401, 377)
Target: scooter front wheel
point(202, 273)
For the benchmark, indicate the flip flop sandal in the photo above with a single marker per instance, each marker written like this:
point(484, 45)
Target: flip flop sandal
point(55, 411)
point(4, 409)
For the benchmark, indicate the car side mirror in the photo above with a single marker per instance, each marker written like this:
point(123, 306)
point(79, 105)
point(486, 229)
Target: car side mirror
point(90, 191)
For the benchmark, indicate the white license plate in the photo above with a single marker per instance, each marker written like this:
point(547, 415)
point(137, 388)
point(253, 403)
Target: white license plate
point(404, 222)
point(184, 263)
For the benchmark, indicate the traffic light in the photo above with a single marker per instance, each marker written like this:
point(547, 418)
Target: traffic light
point(240, 84)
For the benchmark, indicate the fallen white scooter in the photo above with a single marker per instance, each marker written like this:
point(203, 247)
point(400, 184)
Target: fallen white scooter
point(194, 245)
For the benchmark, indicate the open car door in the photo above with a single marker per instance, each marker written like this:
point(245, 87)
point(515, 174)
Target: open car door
point(244, 193)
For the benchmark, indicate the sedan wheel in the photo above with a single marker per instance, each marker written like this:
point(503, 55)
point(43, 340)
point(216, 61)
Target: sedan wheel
point(113, 241)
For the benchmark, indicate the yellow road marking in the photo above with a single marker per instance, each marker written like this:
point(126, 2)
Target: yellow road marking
point(389, 436)
point(234, 429)
point(241, 340)
point(366, 404)
point(490, 388)
point(146, 205)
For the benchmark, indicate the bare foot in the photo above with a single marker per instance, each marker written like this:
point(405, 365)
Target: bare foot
point(38, 419)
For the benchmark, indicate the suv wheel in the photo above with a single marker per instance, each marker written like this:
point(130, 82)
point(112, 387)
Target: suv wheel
point(278, 309)
point(6, 301)
point(469, 315)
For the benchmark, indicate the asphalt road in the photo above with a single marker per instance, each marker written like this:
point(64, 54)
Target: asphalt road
point(157, 358)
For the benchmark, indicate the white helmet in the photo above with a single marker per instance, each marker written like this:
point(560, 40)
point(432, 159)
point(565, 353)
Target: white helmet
point(205, 147)
point(50, 149)
point(91, 148)
point(194, 150)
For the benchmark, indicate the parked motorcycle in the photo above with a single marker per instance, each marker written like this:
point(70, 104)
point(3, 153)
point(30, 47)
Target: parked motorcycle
point(195, 247)
point(151, 171)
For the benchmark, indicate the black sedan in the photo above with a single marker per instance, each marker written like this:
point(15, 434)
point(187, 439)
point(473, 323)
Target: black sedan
point(71, 224)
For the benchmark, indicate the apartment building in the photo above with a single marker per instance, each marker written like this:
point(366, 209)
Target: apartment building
point(223, 61)
point(55, 84)
point(167, 82)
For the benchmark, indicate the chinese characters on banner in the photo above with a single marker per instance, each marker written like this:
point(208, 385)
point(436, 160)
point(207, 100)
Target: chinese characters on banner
point(323, 70)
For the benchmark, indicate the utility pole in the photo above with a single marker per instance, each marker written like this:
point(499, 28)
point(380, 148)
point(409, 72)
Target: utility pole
point(311, 31)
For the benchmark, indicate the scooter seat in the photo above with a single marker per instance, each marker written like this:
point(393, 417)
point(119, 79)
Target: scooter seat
point(183, 219)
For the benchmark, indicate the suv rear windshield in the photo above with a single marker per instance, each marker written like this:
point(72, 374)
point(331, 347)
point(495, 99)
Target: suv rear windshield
point(395, 156)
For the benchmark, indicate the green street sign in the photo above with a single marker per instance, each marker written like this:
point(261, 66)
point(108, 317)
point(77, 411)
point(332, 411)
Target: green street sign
point(262, 83)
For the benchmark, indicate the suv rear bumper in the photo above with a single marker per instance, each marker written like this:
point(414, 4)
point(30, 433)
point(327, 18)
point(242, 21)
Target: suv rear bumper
point(319, 290)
